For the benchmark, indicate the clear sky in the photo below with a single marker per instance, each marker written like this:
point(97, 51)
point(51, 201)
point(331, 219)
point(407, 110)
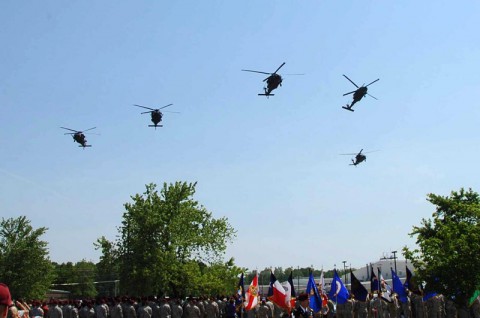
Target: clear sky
point(272, 166)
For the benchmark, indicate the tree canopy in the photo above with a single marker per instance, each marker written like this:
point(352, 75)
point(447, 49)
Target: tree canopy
point(448, 246)
point(24, 263)
point(169, 243)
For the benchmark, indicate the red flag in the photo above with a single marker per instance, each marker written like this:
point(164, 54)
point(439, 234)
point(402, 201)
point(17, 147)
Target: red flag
point(251, 296)
point(277, 294)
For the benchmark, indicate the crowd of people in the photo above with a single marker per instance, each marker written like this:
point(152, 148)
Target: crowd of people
point(375, 306)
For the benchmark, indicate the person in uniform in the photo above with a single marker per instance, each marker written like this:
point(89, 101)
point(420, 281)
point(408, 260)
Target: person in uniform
point(303, 310)
point(264, 310)
point(116, 311)
point(177, 309)
point(5, 300)
point(211, 309)
point(418, 306)
point(55, 311)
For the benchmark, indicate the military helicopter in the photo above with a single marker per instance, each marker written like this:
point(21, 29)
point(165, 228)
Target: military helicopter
point(79, 136)
point(156, 114)
point(273, 80)
point(358, 94)
point(359, 157)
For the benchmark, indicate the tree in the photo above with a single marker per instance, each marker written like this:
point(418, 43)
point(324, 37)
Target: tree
point(448, 246)
point(164, 237)
point(24, 263)
point(77, 278)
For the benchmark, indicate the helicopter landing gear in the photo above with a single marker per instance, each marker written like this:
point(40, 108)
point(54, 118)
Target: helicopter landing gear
point(347, 107)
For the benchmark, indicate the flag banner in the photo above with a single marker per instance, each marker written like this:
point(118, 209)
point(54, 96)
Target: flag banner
point(276, 293)
point(290, 295)
point(357, 289)
point(398, 287)
point(241, 288)
point(313, 294)
point(408, 280)
point(384, 287)
point(374, 283)
point(251, 296)
point(338, 291)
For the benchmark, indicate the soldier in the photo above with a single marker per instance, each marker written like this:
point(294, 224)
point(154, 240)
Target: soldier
point(129, 310)
point(303, 310)
point(116, 311)
point(418, 307)
point(36, 310)
point(211, 309)
point(376, 306)
point(165, 309)
point(144, 310)
point(191, 309)
point(100, 309)
point(360, 308)
point(264, 310)
point(55, 311)
point(348, 307)
point(177, 309)
point(450, 309)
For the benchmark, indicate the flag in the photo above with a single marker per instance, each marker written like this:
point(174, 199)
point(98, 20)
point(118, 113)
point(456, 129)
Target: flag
point(251, 296)
point(429, 295)
point(398, 287)
point(338, 291)
point(360, 292)
point(475, 295)
point(374, 284)
point(408, 280)
point(385, 288)
point(290, 295)
point(323, 292)
point(276, 292)
point(241, 288)
point(312, 291)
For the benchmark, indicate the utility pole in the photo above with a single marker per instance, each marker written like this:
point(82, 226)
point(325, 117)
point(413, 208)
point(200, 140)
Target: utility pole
point(345, 271)
point(395, 260)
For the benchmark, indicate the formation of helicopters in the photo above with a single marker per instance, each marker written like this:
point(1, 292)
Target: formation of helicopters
point(273, 81)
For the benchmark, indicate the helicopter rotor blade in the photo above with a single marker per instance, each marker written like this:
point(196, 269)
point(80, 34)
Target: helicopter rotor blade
point(360, 151)
point(372, 96)
point(89, 129)
point(148, 112)
point(373, 82)
point(349, 93)
point(167, 111)
point(256, 72)
point(371, 151)
point(350, 80)
point(295, 74)
point(143, 107)
point(347, 154)
point(166, 106)
point(69, 133)
point(279, 68)
point(69, 129)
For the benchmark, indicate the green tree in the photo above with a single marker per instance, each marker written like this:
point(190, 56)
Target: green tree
point(164, 237)
point(76, 278)
point(448, 246)
point(107, 267)
point(24, 262)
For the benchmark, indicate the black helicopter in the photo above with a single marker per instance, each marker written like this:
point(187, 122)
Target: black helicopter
point(273, 81)
point(156, 114)
point(358, 94)
point(79, 136)
point(359, 157)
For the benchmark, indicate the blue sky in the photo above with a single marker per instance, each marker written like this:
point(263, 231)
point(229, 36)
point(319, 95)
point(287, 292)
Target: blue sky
point(272, 166)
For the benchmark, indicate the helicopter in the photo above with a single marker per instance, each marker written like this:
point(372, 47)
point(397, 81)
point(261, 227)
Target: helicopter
point(273, 81)
point(358, 94)
point(359, 157)
point(156, 114)
point(79, 136)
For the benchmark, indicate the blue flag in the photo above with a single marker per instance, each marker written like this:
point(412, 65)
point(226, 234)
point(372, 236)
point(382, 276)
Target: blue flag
point(429, 295)
point(374, 282)
point(338, 291)
point(312, 291)
point(408, 281)
point(241, 288)
point(398, 287)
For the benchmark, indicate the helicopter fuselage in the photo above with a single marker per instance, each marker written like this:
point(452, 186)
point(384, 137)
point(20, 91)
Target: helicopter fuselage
point(273, 81)
point(80, 138)
point(358, 159)
point(156, 117)
point(359, 94)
